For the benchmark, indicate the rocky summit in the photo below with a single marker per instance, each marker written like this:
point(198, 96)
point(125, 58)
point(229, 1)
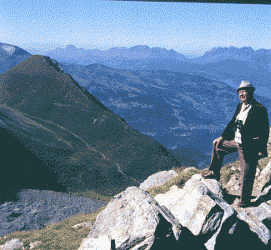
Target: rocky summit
point(200, 215)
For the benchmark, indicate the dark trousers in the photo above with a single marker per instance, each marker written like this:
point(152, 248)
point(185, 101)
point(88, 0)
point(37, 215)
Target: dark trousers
point(248, 157)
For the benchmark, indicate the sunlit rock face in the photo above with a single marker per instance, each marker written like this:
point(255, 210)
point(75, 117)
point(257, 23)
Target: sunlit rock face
point(201, 212)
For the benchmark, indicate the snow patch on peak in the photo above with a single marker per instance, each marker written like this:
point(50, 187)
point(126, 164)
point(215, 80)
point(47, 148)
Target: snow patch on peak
point(8, 48)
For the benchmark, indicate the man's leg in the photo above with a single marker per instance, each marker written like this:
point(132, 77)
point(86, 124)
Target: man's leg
point(224, 148)
point(248, 162)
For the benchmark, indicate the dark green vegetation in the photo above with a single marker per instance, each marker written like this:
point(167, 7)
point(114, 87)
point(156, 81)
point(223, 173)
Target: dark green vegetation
point(70, 140)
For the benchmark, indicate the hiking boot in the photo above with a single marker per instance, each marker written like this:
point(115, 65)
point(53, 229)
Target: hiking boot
point(210, 175)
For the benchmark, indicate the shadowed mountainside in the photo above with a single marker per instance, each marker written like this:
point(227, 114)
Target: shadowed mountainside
point(82, 145)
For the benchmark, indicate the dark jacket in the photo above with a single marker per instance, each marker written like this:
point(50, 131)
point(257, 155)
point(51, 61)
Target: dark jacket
point(255, 131)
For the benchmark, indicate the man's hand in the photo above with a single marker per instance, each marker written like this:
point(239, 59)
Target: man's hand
point(217, 141)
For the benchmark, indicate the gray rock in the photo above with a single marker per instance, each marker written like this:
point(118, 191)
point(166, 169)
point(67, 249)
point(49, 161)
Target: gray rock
point(234, 184)
point(33, 244)
point(100, 243)
point(199, 206)
point(263, 184)
point(157, 179)
point(256, 217)
point(134, 220)
point(12, 244)
point(83, 224)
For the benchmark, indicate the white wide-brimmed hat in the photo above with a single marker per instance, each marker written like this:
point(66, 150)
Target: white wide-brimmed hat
point(245, 85)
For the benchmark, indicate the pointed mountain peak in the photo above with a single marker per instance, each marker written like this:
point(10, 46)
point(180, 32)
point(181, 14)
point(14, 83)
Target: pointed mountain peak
point(140, 48)
point(70, 47)
point(35, 65)
point(40, 80)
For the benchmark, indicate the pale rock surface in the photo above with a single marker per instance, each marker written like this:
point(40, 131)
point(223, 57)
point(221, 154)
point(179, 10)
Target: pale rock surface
point(132, 219)
point(157, 179)
point(83, 224)
point(33, 244)
point(100, 243)
point(12, 244)
point(17, 244)
point(255, 217)
point(233, 186)
point(263, 181)
point(199, 206)
point(171, 198)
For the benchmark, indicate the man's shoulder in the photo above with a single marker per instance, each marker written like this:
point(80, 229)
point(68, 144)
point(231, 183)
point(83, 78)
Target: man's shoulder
point(257, 105)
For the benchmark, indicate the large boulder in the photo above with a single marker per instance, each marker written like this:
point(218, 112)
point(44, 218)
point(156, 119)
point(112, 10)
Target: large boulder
point(201, 215)
point(200, 207)
point(134, 220)
point(263, 182)
point(157, 179)
point(258, 220)
point(100, 243)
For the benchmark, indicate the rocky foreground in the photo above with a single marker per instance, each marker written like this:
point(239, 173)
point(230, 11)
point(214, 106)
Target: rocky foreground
point(198, 216)
point(201, 214)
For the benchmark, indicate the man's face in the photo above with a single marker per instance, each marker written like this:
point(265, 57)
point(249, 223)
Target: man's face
point(243, 95)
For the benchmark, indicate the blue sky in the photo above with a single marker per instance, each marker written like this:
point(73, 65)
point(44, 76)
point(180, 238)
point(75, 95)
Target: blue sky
point(189, 28)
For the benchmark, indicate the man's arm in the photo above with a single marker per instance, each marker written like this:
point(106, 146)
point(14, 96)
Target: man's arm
point(228, 132)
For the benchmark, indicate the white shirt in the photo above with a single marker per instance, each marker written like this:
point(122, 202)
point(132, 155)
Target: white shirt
point(241, 116)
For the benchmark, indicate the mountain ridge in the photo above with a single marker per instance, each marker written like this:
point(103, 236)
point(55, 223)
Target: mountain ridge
point(76, 136)
point(236, 61)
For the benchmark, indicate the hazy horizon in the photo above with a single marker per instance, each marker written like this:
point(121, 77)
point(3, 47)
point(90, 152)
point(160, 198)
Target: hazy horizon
point(43, 48)
point(188, 28)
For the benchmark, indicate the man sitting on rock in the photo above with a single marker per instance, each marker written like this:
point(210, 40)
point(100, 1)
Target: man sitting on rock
point(247, 133)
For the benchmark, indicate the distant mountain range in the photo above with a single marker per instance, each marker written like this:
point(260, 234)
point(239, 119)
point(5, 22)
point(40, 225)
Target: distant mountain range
point(10, 56)
point(230, 65)
point(54, 133)
point(82, 56)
